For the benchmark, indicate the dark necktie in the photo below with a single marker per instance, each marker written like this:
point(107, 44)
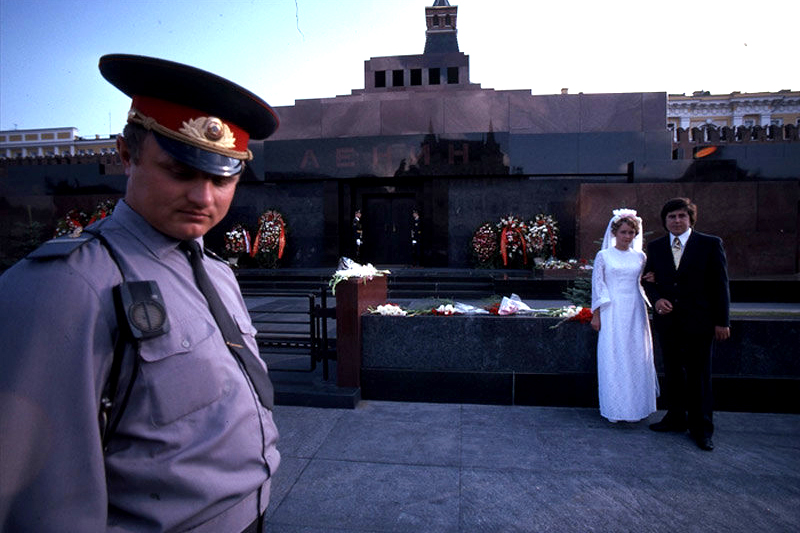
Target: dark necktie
point(230, 331)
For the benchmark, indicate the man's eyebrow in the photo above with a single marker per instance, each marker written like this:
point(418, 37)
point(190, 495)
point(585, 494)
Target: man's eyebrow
point(178, 167)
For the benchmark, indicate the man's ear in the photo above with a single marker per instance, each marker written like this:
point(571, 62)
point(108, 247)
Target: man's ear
point(124, 154)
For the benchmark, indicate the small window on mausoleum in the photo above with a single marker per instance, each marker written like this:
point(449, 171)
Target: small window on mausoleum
point(452, 74)
point(380, 78)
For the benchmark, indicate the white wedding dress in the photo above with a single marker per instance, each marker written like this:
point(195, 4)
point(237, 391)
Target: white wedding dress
point(626, 374)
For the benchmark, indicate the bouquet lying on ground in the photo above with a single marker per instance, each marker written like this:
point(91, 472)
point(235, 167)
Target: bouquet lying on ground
point(572, 313)
point(507, 306)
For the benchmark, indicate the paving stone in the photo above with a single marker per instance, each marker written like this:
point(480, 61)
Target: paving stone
point(422, 467)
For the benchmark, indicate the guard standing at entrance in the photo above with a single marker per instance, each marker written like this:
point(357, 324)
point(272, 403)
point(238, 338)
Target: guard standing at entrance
point(358, 236)
point(415, 238)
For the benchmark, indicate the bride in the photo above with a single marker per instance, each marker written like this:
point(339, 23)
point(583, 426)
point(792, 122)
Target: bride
point(626, 375)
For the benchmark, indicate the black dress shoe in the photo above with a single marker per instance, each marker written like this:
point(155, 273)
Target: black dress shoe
point(705, 443)
point(665, 426)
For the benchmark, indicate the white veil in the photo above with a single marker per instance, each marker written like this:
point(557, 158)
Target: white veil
point(609, 241)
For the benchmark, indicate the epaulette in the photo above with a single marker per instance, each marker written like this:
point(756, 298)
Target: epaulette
point(212, 255)
point(60, 247)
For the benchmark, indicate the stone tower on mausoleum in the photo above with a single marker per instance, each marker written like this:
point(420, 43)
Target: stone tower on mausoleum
point(441, 35)
point(441, 64)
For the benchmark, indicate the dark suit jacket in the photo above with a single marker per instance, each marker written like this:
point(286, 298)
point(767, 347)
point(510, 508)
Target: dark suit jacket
point(698, 289)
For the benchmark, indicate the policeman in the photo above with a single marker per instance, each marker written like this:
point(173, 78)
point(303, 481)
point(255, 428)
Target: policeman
point(131, 395)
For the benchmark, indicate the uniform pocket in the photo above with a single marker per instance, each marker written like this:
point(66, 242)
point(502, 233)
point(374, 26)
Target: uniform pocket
point(247, 330)
point(178, 371)
point(245, 325)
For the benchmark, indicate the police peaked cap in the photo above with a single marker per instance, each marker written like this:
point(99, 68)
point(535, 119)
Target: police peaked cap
point(199, 118)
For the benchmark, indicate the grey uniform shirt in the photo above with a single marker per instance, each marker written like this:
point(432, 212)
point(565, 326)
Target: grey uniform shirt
point(194, 448)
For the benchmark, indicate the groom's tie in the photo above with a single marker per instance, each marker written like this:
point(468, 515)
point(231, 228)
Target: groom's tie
point(230, 331)
point(677, 251)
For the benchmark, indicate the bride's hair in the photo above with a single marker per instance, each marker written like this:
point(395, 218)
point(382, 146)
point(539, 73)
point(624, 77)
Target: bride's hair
point(631, 221)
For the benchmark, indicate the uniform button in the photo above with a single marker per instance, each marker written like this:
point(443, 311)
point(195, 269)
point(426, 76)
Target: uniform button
point(185, 343)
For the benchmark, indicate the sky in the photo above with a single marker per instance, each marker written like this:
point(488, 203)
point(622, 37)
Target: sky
point(288, 50)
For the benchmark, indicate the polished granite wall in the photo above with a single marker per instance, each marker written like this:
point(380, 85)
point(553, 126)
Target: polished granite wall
point(757, 220)
point(489, 343)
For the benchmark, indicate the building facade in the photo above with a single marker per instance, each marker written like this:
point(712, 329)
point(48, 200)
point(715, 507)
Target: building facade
point(53, 142)
point(712, 124)
point(703, 109)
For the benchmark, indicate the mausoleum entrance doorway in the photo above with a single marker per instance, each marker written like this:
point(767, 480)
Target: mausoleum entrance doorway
point(386, 221)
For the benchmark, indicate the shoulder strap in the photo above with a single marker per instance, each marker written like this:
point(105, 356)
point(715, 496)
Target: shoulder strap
point(111, 413)
point(60, 247)
point(213, 255)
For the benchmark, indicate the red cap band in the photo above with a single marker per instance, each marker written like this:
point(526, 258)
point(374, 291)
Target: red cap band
point(176, 117)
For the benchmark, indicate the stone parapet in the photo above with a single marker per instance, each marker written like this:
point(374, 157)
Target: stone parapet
point(521, 360)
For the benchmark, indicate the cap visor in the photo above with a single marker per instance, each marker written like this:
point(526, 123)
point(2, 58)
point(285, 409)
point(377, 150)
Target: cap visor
point(209, 162)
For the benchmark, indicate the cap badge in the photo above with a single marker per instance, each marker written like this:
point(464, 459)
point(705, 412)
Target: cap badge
point(209, 129)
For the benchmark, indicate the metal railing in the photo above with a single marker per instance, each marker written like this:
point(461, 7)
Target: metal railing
point(294, 325)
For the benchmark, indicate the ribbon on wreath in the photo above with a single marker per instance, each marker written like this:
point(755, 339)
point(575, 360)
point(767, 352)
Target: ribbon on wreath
point(504, 245)
point(281, 240)
point(74, 218)
point(254, 249)
point(246, 237)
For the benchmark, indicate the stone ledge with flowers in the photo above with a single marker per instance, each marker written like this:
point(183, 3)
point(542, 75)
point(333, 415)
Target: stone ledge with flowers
point(457, 352)
point(488, 336)
point(543, 341)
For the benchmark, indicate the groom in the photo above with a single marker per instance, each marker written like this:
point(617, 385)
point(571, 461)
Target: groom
point(691, 309)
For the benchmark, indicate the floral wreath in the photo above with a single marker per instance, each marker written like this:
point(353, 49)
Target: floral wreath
point(237, 240)
point(103, 209)
point(75, 220)
point(271, 235)
point(484, 243)
point(512, 239)
point(72, 223)
point(542, 235)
